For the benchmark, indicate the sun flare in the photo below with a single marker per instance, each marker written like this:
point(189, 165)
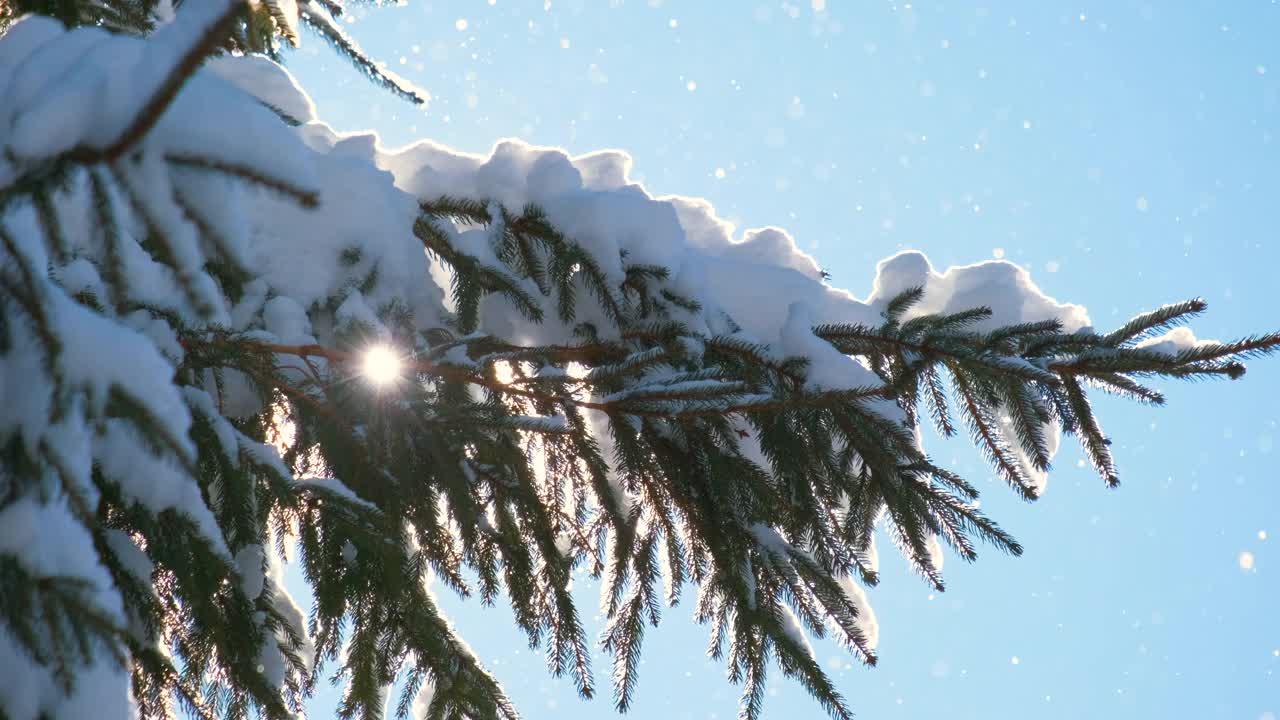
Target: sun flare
point(381, 365)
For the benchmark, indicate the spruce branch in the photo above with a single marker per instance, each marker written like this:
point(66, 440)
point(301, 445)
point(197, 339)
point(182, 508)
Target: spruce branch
point(501, 468)
point(305, 197)
point(317, 17)
point(902, 302)
point(1096, 445)
point(658, 400)
point(1148, 323)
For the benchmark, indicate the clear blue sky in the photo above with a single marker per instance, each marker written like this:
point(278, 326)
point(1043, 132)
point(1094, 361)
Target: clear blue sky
point(1126, 152)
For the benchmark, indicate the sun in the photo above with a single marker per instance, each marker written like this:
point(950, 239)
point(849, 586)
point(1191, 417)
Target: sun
point(381, 365)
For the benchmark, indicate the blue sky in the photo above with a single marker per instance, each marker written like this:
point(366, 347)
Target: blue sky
point(1125, 152)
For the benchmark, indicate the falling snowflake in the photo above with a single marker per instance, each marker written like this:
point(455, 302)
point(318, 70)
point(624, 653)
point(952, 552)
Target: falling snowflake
point(1245, 560)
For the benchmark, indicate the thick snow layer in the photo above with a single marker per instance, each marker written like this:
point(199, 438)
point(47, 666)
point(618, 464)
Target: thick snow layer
point(867, 621)
point(791, 626)
point(1173, 342)
point(591, 199)
point(288, 607)
point(249, 562)
point(49, 541)
point(422, 699)
point(82, 90)
point(337, 488)
point(155, 482)
point(829, 369)
point(300, 251)
point(1002, 286)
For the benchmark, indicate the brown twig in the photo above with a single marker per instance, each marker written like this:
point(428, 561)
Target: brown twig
point(455, 372)
point(150, 113)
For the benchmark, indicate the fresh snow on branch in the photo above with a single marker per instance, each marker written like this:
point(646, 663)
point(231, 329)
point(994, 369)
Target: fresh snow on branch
point(160, 214)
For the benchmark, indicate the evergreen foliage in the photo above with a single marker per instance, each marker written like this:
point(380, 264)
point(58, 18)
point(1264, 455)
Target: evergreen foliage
point(646, 452)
